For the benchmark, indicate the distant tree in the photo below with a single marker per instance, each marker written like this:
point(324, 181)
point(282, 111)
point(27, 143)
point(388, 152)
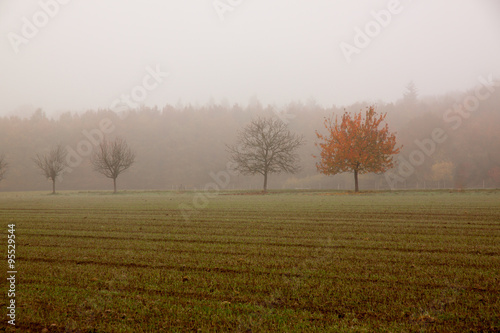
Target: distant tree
point(3, 167)
point(266, 146)
point(38, 116)
point(356, 144)
point(411, 94)
point(113, 158)
point(443, 171)
point(52, 164)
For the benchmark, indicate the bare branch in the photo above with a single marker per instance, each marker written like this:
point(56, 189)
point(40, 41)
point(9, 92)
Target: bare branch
point(266, 146)
point(52, 164)
point(112, 158)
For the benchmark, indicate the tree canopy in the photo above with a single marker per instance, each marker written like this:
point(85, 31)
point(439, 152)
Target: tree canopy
point(357, 143)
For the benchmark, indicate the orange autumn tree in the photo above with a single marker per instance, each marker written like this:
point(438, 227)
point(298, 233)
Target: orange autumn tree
point(357, 143)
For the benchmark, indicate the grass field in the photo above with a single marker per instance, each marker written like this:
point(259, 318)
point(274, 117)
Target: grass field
point(285, 262)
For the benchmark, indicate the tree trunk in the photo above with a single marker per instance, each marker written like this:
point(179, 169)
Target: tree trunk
point(265, 182)
point(356, 185)
point(114, 185)
point(53, 186)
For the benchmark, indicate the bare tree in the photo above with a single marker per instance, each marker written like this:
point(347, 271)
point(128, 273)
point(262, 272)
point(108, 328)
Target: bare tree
point(3, 167)
point(52, 164)
point(113, 158)
point(266, 146)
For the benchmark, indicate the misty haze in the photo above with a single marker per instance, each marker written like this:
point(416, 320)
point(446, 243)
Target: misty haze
point(250, 166)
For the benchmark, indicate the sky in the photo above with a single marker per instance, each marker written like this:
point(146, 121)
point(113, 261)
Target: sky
point(75, 55)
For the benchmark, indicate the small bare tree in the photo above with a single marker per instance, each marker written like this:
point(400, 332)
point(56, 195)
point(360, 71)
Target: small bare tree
point(3, 167)
point(52, 164)
point(112, 158)
point(266, 146)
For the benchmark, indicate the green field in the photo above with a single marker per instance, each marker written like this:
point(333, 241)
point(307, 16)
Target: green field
point(303, 261)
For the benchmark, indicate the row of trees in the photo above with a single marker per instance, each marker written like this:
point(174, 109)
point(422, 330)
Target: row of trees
point(264, 147)
point(111, 159)
point(182, 146)
point(358, 144)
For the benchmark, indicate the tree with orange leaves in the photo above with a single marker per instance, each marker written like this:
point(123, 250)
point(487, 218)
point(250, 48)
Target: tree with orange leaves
point(356, 144)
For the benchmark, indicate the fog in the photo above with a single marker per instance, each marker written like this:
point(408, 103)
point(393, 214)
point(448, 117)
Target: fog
point(78, 55)
point(178, 79)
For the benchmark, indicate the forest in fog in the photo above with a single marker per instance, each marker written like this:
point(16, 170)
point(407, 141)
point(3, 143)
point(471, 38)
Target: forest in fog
point(184, 146)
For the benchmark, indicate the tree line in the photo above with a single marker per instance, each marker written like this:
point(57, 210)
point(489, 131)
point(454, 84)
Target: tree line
point(180, 146)
point(110, 159)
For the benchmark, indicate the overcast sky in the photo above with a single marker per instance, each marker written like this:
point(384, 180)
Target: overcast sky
point(89, 53)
